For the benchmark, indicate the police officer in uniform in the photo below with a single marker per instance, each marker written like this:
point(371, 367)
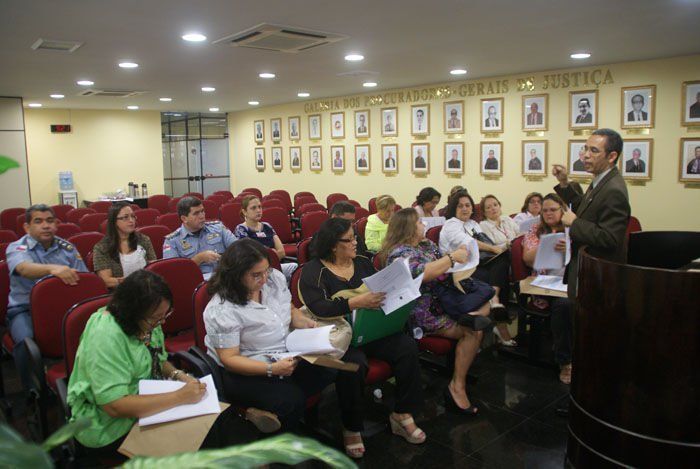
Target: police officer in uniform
point(197, 239)
point(35, 255)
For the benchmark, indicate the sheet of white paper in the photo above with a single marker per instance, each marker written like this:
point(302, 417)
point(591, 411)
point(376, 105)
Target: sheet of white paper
point(207, 276)
point(547, 257)
point(567, 256)
point(398, 298)
point(394, 276)
point(472, 260)
point(312, 341)
point(208, 405)
point(550, 282)
point(430, 222)
point(525, 226)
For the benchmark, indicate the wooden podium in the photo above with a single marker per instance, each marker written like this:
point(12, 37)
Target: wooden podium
point(635, 392)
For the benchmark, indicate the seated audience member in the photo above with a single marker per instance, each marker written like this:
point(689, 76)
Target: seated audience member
point(336, 268)
point(377, 223)
point(123, 250)
point(406, 239)
point(247, 322)
point(561, 311)
point(197, 239)
point(427, 202)
point(531, 208)
point(262, 232)
point(121, 345)
point(35, 255)
point(346, 210)
point(453, 191)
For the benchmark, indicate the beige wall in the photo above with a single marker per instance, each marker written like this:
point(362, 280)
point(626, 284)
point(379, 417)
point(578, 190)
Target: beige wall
point(661, 203)
point(105, 150)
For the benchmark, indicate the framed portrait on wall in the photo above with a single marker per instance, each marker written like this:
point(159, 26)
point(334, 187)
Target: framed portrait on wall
point(638, 104)
point(390, 158)
point(420, 119)
point(277, 158)
point(492, 115)
point(390, 122)
point(535, 112)
point(420, 158)
point(295, 158)
point(294, 124)
point(690, 160)
point(315, 127)
point(338, 125)
point(338, 158)
point(583, 109)
point(453, 115)
point(454, 158)
point(362, 164)
point(690, 103)
point(276, 129)
point(491, 158)
point(635, 161)
point(315, 158)
point(534, 158)
point(362, 124)
point(260, 158)
point(259, 131)
point(576, 152)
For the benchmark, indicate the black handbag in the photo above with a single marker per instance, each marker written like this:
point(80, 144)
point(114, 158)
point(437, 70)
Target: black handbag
point(457, 304)
point(484, 256)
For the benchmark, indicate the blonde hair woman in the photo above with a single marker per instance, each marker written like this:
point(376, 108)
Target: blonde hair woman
point(377, 223)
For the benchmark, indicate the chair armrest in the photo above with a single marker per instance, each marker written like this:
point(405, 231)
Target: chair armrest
point(37, 370)
point(214, 369)
point(289, 259)
point(62, 391)
point(198, 366)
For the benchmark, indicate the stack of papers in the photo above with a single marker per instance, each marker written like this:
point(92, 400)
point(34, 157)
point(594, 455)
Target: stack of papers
point(472, 260)
point(549, 282)
point(312, 341)
point(525, 226)
point(431, 222)
point(208, 405)
point(548, 258)
point(395, 280)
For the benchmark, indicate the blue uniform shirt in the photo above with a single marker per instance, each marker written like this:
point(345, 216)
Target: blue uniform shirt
point(214, 236)
point(27, 249)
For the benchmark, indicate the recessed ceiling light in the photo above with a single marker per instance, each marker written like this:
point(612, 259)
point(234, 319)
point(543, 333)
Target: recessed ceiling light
point(458, 71)
point(128, 65)
point(266, 75)
point(213, 109)
point(85, 82)
point(580, 55)
point(57, 96)
point(34, 104)
point(369, 84)
point(253, 103)
point(194, 37)
point(208, 89)
point(177, 115)
point(354, 57)
point(165, 100)
point(303, 94)
point(132, 108)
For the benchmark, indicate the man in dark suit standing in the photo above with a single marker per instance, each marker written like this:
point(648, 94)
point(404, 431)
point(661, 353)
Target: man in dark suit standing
point(535, 117)
point(636, 114)
point(635, 164)
point(585, 116)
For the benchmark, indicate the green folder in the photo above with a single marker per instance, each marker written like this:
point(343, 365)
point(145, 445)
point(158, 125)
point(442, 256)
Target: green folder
point(369, 325)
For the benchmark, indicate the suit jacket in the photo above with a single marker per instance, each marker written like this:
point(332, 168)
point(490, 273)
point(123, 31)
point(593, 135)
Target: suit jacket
point(277, 162)
point(295, 161)
point(630, 166)
point(534, 120)
point(486, 122)
point(585, 119)
point(535, 164)
point(453, 164)
point(362, 129)
point(579, 166)
point(601, 224)
point(689, 169)
point(695, 111)
point(361, 163)
point(390, 163)
point(491, 163)
point(630, 116)
point(276, 134)
point(419, 162)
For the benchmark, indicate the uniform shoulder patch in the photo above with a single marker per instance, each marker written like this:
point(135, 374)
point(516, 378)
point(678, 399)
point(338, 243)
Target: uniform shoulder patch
point(173, 234)
point(65, 245)
point(212, 223)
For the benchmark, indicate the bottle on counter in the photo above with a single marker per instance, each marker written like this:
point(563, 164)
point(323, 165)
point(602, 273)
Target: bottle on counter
point(130, 191)
point(144, 190)
point(136, 191)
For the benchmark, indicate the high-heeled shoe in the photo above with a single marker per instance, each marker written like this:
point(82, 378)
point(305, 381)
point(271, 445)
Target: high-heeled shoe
point(452, 406)
point(354, 450)
point(499, 338)
point(265, 421)
point(399, 428)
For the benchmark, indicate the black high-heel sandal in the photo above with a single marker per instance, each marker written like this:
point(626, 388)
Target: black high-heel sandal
point(452, 406)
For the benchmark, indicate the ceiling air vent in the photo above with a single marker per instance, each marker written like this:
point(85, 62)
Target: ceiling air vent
point(58, 46)
point(111, 93)
point(279, 38)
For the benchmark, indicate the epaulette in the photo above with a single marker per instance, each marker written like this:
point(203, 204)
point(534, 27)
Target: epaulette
point(65, 245)
point(211, 223)
point(173, 234)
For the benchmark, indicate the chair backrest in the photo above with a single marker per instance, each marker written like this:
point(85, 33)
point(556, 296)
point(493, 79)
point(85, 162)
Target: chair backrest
point(333, 198)
point(159, 202)
point(310, 223)
point(74, 324)
point(377, 263)
point(198, 195)
point(146, 216)
point(211, 210)
point(3, 252)
point(157, 234)
point(172, 204)
point(19, 225)
point(633, 226)
point(294, 288)
point(279, 219)
point(61, 210)
point(8, 236)
point(4, 289)
point(230, 214)
point(273, 259)
point(67, 230)
point(50, 300)
point(313, 207)
point(355, 203)
point(8, 218)
point(89, 261)
point(85, 242)
point(101, 206)
point(361, 212)
point(284, 195)
point(275, 202)
point(92, 221)
point(302, 200)
point(360, 226)
point(372, 205)
point(200, 300)
point(76, 214)
point(218, 200)
point(103, 227)
point(478, 216)
point(304, 251)
point(300, 194)
point(433, 234)
point(182, 276)
point(227, 194)
point(518, 268)
point(171, 220)
point(254, 190)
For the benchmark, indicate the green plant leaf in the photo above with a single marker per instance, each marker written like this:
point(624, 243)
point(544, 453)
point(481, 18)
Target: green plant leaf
point(65, 433)
point(286, 449)
point(15, 452)
point(7, 163)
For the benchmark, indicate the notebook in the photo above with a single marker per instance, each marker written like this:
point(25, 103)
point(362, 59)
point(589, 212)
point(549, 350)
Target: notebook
point(369, 325)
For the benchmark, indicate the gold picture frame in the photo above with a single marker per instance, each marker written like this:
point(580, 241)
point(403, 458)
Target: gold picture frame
point(420, 124)
point(280, 153)
point(486, 166)
point(316, 151)
point(291, 121)
point(393, 123)
point(338, 131)
point(580, 122)
point(390, 151)
point(315, 127)
point(292, 166)
point(538, 121)
point(498, 104)
point(358, 126)
point(420, 166)
point(448, 125)
point(278, 138)
point(448, 166)
point(334, 154)
point(367, 165)
point(574, 163)
point(259, 162)
point(529, 166)
point(690, 113)
point(259, 137)
point(641, 169)
point(648, 99)
point(684, 174)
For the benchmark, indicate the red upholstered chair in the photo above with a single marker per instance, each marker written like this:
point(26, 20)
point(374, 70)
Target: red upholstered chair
point(230, 214)
point(300, 194)
point(211, 210)
point(294, 288)
point(312, 207)
point(361, 212)
point(284, 196)
point(146, 216)
point(8, 236)
point(227, 194)
point(355, 203)
point(62, 210)
point(7, 342)
point(372, 205)
point(275, 202)
point(333, 198)
point(304, 251)
point(633, 226)
point(172, 205)
point(360, 226)
point(200, 300)
point(310, 223)
point(3, 256)
point(303, 200)
point(159, 202)
point(218, 200)
point(91, 221)
point(519, 270)
point(19, 225)
point(85, 242)
point(89, 262)
point(157, 234)
point(397, 207)
point(377, 263)
point(74, 324)
point(198, 195)
point(66, 230)
point(273, 259)
point(8, 218)
point(253, 190)
point(76, 214)
point(182, 276)
point(171, 220)
point(279, 220)
point(101, 206)
point(103, 227)
point(433, 234)
point(478, 216)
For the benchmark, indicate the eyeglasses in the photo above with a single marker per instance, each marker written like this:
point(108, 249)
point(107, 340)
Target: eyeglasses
point(261, 275)
point(343, 240)
point(161, 320)
point(127, 217)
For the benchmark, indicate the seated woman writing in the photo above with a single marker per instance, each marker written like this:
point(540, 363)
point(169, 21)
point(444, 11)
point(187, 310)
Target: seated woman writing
point(247, 322)
point(560, 318)
point(336, 268)
point(123, 250)
point(406, 239)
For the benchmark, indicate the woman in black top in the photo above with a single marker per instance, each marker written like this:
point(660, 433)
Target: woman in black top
point(336, 267)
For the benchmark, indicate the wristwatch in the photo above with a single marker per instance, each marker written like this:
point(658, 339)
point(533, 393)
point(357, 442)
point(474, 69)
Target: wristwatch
point(452, 261)
point(269, 370)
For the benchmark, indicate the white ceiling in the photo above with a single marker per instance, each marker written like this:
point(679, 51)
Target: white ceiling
point(405, 42)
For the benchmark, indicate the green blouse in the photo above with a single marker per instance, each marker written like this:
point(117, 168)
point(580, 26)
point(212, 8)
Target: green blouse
point(108, 366)
point(375, 232)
